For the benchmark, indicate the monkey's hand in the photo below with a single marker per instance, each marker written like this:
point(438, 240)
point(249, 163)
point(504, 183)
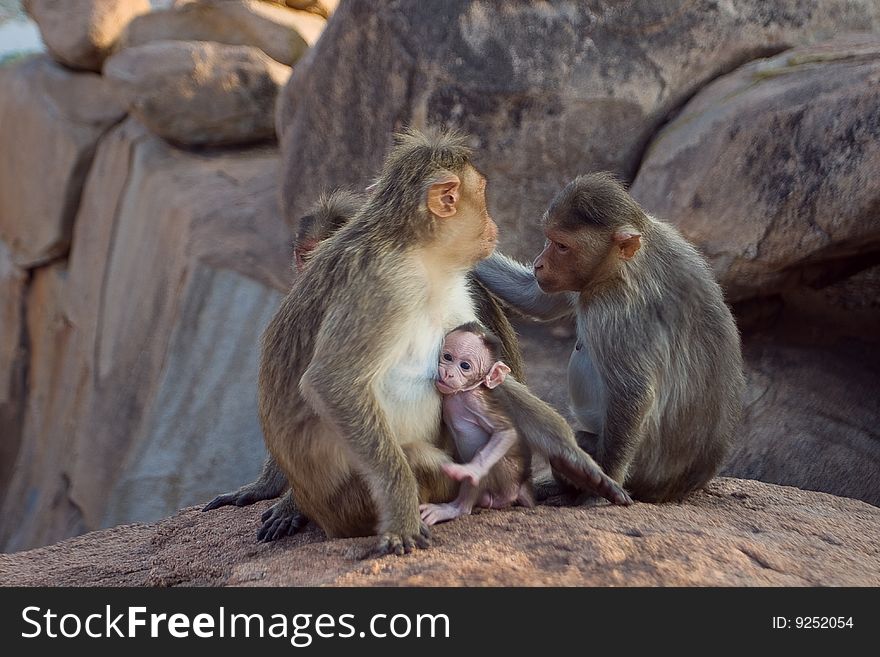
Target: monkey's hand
point(586, 474)
point(404, 542)
point(463, 472)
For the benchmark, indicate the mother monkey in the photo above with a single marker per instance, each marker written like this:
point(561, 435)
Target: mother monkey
point(655, 379)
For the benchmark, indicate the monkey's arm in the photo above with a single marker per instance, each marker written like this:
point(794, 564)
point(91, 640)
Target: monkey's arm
point(623, 434)
point(545, 431)
point(485, 459)
point(352, 350)
point(516, 285)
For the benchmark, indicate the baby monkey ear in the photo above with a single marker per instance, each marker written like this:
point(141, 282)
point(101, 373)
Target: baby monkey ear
point(496, 375)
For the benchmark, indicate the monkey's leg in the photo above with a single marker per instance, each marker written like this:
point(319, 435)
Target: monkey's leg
point(269, 485)
point(462, 505)
point(281, 519)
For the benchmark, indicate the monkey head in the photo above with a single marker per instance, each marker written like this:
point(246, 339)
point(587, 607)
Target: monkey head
point(331, 212)
point(457, 202)
point(469, 359)
point(592, 227)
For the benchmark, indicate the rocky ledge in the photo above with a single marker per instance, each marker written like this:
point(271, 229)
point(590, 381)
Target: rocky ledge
point(735, 533)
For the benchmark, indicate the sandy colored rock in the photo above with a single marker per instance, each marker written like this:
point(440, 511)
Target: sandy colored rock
point(547, 90)
point(737, 533)
point(81, 34)
point(50, 122)
point(13, 361)
point(144, 349)
point(283, 34)
point(323, 8)
point(199, 93)
point(771, 170)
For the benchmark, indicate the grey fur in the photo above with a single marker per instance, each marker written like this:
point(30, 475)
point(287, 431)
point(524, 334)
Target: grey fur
point(656, 378)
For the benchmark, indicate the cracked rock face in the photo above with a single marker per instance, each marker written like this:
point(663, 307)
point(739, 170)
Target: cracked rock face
point(547, 90)
point(772, 169)
point(736, 533)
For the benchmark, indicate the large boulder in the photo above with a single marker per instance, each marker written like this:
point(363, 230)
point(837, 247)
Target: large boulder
point(772, 170)
point(199, 93)
point(13, 361)
point(548, 90)
point(143, 347)
point(283, 34)
point(736, 533)
point(82, 33)
point(813, 372)
point(50, 122)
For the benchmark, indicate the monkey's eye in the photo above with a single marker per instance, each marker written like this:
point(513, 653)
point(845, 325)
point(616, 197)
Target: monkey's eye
point(465, 365)
point(560, 247)
point(447, 357)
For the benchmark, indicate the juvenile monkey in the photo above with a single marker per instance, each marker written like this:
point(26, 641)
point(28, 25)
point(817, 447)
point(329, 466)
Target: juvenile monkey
point(655, 378)
point(476, 409)
point(330, 213)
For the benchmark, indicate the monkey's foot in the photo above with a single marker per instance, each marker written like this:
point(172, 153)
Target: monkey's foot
point(436, 513)
point(244, 496)
point(586, 474)
point(280, 520)
point(463, 472)
point(400, 544)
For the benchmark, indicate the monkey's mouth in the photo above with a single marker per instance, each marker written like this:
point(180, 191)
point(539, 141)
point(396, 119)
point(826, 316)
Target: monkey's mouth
point(442, 388)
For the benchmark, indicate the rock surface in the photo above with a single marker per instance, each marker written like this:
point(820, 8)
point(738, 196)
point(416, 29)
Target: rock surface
point(199, 93)
point(813, 372)
point(144, 345)
point(50, 123)
point(283, 34)
point(771, 170)
point(82, 33)
point(736, 533)
point(547, 90)
point(13, 361)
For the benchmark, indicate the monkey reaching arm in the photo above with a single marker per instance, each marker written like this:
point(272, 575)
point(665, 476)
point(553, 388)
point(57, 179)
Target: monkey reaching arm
point(515, 284)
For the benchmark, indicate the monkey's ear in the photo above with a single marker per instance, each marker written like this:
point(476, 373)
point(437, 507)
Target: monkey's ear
point(443, 195)
point(628, 241)
point(496, 375)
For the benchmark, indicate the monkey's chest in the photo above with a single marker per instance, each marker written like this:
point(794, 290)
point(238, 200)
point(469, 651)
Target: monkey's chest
point(407, 394)
point(470, 430)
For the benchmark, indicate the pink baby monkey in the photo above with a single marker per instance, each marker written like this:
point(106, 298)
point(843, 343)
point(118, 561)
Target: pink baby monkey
point(496, 469)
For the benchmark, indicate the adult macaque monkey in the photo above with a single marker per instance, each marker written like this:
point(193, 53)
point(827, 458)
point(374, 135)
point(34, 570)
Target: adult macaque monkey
point(655, 378)
point(480, 404)
point(346, 389)
point(326, 217)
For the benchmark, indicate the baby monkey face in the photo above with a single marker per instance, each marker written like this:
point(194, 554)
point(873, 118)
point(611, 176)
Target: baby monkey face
point(464, 361)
